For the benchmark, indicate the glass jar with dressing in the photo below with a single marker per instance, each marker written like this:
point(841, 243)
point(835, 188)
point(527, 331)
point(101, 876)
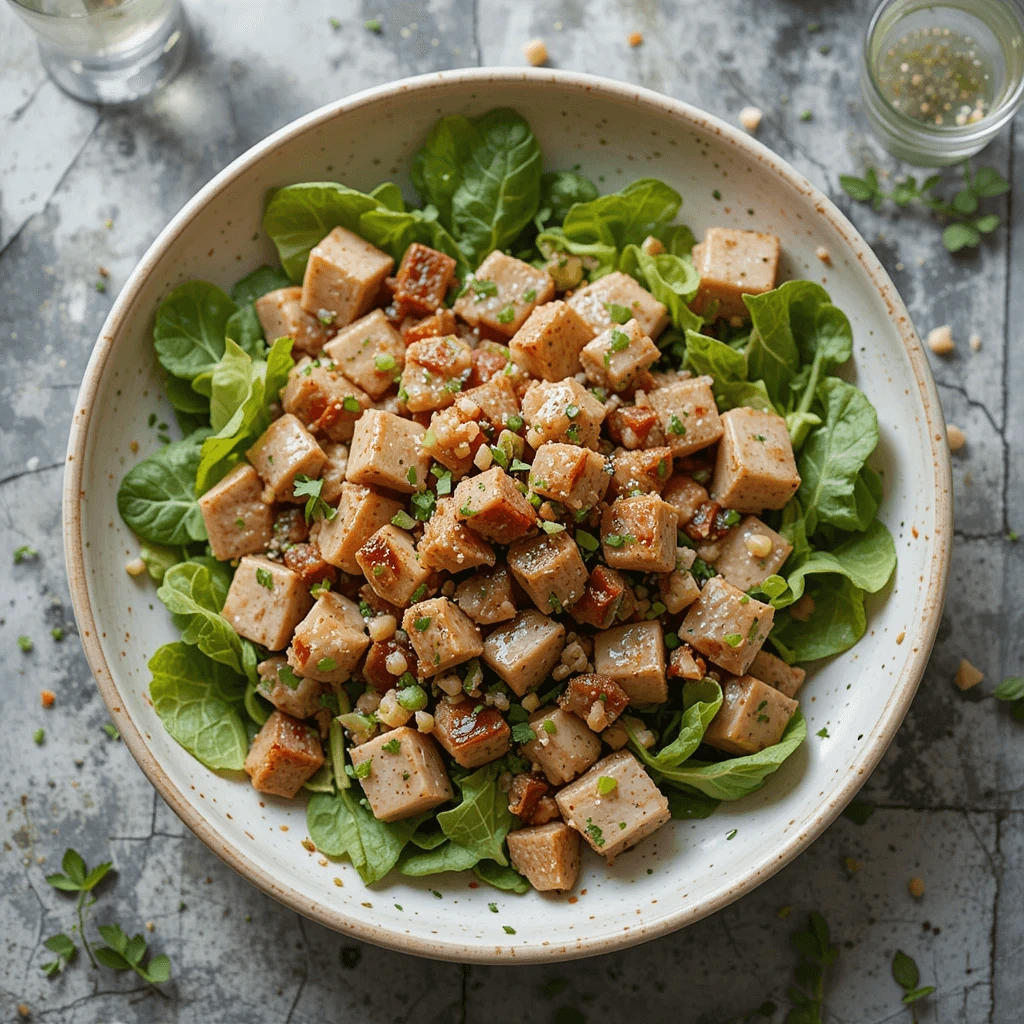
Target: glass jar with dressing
point(939, 79)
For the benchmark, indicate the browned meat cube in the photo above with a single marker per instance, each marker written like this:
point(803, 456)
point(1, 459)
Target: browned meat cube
point(423, 279)
point(361, 513)
point(635, 426)
point(407, 774)
point(343, 276)
point(597, 699)
point(639, 534)
point(731, 264)
point(612, 819)
point(684, 664)
point(575, 476)
point(436, 326)
point(525, 650)
point(619, 357)
point(391, 566)
point(369, 352)
point(490, 360)
point(297, 696)
point(550, 569)
point(549, 343)
point(442, 635)
point(265, 602)
point(617, 289)
point(755, 467)
point(448, 543)
point(380, 660)
point(324, 399)
point(472, 734)
point(329, 641)
point(496, 399)
point(753, 716)
point(524, 794)
point(281, 315)
point(486, 597)
point(386, 452)
point(564, 746)
point(787, 679)
point(237, 520)
point(685, 495)
point(727, 626)
point(454, 436)
point(645, 471)
point(548, 855)
point(502, 293)
point(493, 506)
point(562, 411)
point(601, 598)
point(290, 526)
point(285, 450)
point(436, 370)
point(306, 560)
point(634, 657)
point(688, 414)
point(284, 755)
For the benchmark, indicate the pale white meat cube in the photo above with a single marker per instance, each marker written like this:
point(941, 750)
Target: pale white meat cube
point(265, 602)
point(524, 651)
point(285, 450)
point(731, 264)
point(435, 372)
point(739, 557)
point(550, 569)
point(787, 679)
point(391, 565)
point(562, 411)
point(548, 855)
point(361, 513)
point(549, 343)
point(639, 534)
point(577, 477)
point(238, 522)
point(634, 657)
point(755, 468)
point(448, 543)
point(492, 505)
point(330, 640)
point(386, 452)
point(486, 597)
point(564, 745)
point(727, 625)
point(619, 357)
point(502, 294)
point(285, 754)
point(369, 352)
point(297, 696)
point(326, 401)
point(618, 293)
point(343, 276)
point(688, 415)
point(442, 635)
point(753, 716)
point(281, 315)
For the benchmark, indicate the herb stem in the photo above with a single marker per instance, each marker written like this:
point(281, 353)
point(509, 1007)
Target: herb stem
point(82, 912)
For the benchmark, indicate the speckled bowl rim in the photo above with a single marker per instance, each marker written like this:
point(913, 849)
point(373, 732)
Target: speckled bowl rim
point(891, 715)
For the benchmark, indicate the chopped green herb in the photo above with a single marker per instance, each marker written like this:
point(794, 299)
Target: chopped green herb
point(412, 698)
point(352, 404)
point(482, 288)
point(556, 607)
point(423, 623)
point(620, 341)
point(373, 25)
point(618, 540)
point(506, 314)
point(806, 115)
point(522, 733)
point(595, 833)
point(378, 571)
point(288, 677)
point(423, 504)
point(403, 520)
point(492, 907)
point(393, 746)
point(326, 665)
point(587, 541)
point(385, 361)
point(111, 730)
point(508, 929)
point(57, 633)
point(322, 587)
point(530, 295)
point(335, 23)
point(361, 770)
point(731, 834)
point(38, 736)
point(549, 727)
point(418, 594)
point(25, 643)
point(618, 313)
point(672, 641)
point(467, 511)
point(514, 422)
point(264, 578)
point(573, 433)
point(716, 194)
point(606, 784)
point(733, 639)
point(326, 317)
point(551, 528)
point(25, 552)
point(311, 490)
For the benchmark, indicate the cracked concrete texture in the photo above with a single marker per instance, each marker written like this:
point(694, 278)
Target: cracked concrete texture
point(950, 792)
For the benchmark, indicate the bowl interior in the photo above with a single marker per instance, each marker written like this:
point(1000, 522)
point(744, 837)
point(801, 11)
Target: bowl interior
point(616, 134)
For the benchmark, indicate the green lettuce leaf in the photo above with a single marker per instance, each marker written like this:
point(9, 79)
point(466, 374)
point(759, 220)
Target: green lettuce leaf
point(438, 167)
point(447, 857)
point(243, 326)
point(670, 279)
point(505, 878)
point(190, 329)
point(867, 560)
point(836, 624)
point(482, 820)
point(702, 699)
point(728, 367)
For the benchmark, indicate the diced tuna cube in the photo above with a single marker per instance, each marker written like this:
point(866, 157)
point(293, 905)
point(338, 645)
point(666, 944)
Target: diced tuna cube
point(284, 451)
point(290, 526)
point(284, 755)
point(407, 774)
point(562, 411)
point(361, 513)
point(550, 569)
point(369, 352)
point(597, 699)
point(639, 534)
point(472, 734)
point(423, 279)
point(613, 820)
point(635, 426)
point(265, 602)
point(237, 520)
point(755, 467)
point(487, 596)
point(727, 625)
point(442, 635)
point(448, 543)
point(787, 679)
point(386, 452)
point(309, 563)
point(381, 670)
point(391, 565)
point(454, 436)
point(436, 371)
point(281, 315)
point(524, 651)
point(324, 399)
point(634, 657)
point(575, 476)
point(602, 598)
point(619, 357)
point(685, 495)
point(524, 795)
point(343, 276)
point(548, 345)
point(435, 326)
point(678, 589)
point(684, 664)
point(298, 696)
point(502, 294)
point(564, 745)
point(731, 264)
point(333, 473)
point(751, 553)
point(329, 641)
point(689, 415)
point(496, 399)
point(548, 855)
point(493, 506)
point(753, 716)
point(645, 471)
point(618, 293)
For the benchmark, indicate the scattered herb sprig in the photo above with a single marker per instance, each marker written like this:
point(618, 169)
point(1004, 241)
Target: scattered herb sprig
point(907, 976)
point(968, 225)
point(816, 953)
point(1012, 691)
point(77, 877)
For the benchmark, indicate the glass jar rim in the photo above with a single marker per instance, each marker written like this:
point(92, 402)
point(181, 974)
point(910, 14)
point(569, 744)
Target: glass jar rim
point(28, 7)
point(988, 125)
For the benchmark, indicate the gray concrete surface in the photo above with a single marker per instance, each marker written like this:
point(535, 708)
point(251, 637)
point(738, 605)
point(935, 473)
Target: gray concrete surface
point(950, 793)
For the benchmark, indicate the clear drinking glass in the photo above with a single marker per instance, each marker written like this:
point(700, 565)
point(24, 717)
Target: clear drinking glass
point(107, 51)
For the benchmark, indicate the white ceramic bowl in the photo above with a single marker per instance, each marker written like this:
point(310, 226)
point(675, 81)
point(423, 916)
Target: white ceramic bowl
point(687, 870)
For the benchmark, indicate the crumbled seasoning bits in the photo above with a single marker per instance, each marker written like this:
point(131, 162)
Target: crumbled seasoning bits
point(806, 115)
point(975, 342)
point(940, 340)
point(750, 118)
point(135, 567)
point(824, 255)
point(916, 887)
point(955, 436)
point(536, 52)
point(47, 698)
point(635, 38)
point(967, 676)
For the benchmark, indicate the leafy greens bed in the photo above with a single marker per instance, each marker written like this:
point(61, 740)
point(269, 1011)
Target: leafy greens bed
point(483, 188)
